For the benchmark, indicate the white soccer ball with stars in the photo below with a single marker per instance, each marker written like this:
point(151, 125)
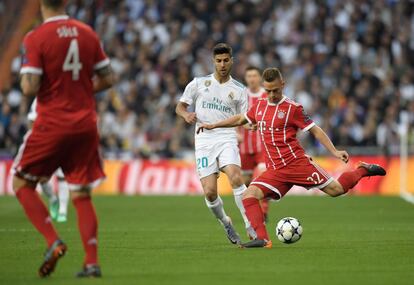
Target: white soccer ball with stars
point(289, 230)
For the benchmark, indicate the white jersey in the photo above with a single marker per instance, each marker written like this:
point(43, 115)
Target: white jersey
point(32, 113)
point(215, 102)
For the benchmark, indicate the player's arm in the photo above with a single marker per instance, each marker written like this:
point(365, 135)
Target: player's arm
point(30, 83)
point(181, 110)
point(104, 79)
point(231, 122)
point(323, 138)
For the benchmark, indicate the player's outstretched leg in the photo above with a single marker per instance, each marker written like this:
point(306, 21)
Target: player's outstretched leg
point(63, 191)
point(216, 207)
point(88, 228)
point(38, 215)
point(254, 212)
point(349, 179)
point(215, 204)
point(234, 174)
point(52, 199)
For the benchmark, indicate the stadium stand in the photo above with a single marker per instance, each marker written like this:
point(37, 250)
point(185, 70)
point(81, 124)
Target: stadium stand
point(350, 63)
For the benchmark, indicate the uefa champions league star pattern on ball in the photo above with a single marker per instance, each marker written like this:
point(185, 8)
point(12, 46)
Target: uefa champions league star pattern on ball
point(289, 230)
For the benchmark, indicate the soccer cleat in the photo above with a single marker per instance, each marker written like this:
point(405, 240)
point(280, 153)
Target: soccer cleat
point(90, 271)
point(372, 169)
point(52, 255)
point(61, 218)
point(257, 243)
point(54, 208)
point(231, 233)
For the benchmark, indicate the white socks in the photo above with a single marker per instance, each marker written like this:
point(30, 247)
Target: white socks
point(48, 191)
point(238, 194)
point(216, 207)
point(63, 191)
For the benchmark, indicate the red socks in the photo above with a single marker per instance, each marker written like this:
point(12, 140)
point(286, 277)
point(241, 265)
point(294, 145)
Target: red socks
point(350, 178)
point(265, 206)
point(37, 213)
point(255, 215)
point(88, 227)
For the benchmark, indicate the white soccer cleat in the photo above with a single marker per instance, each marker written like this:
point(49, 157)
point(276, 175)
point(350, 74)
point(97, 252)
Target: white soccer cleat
point(231, 233)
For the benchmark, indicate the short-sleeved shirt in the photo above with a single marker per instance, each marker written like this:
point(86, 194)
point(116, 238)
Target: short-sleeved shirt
point(65, 52)
point(214, 102)
point(251, 143)
point(278, 125)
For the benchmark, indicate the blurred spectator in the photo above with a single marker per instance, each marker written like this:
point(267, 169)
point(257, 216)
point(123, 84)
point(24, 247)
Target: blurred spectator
point(350, 63)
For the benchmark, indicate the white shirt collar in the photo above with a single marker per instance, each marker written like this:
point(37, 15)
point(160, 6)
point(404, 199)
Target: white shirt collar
point(56, 18)
point(215, 79)
point(280, 102)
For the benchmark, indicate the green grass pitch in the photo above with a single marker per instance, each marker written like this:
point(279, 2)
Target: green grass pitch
point(175, 240)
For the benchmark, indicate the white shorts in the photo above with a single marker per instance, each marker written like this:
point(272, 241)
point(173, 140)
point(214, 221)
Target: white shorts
point(212, 158)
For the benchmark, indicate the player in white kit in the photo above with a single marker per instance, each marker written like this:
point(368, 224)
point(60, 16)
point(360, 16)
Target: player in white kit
point(58, 204)
point(216, 97)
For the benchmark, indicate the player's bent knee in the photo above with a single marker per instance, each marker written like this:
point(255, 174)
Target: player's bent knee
point(20, 183)
point(253, 192)
point(83, 192)
point(236, 180)
point(334, 189)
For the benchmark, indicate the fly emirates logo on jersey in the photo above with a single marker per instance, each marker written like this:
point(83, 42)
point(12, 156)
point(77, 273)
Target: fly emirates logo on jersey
point(218, 105)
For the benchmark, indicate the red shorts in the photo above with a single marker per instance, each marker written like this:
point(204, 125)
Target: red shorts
point(275, 183)
point(249, 161)
point(42, 152)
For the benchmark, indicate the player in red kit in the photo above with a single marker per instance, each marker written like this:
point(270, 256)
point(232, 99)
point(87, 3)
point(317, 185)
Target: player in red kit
point(251, 152)
point(278, 119)
point(63, 65)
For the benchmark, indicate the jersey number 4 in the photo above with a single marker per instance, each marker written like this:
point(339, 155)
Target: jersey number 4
point(72, 62)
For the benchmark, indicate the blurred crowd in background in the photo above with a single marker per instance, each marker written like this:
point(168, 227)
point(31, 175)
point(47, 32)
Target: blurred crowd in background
point(350, 63)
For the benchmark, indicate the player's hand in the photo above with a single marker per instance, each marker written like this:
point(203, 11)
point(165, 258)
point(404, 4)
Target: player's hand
point(250, 127)
point(190, 118)
point(342, 155)
point(204, 126)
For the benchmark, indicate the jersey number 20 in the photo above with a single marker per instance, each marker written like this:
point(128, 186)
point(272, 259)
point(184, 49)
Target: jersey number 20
point(72, 62)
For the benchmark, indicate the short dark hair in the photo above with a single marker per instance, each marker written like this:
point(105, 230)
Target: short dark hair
point(222, 48)
point(54, 4)
point(252, 67)
point(271, 74)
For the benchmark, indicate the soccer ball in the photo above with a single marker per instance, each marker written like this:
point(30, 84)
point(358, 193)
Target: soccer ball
point(289, 230)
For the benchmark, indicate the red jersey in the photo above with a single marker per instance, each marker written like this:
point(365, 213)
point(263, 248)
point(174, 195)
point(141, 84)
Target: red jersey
point(65, 52)
point(278, 125)
point(251, 139)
